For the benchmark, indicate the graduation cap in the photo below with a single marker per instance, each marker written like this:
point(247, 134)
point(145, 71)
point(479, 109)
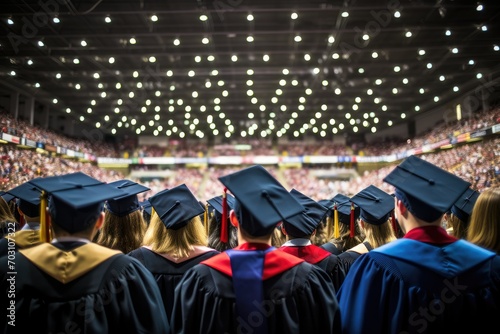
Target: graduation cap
point(176, 206)
point(304, 223)
point(28, 198)
point(146, 206)
point(216, 204)
point(76, 199)
point(376, 205)
point(6, 196)
point(124, 205)
point(261, 201)
point(426, 190)
point(464, 205)
point(343, 204)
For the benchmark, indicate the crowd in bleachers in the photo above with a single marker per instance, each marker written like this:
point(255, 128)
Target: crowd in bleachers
point(477, 163)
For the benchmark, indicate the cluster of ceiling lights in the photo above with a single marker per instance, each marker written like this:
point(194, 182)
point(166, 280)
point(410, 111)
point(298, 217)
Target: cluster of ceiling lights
point(315, 124)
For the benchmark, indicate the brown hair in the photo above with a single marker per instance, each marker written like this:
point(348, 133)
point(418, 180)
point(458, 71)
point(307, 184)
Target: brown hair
point(484, 227)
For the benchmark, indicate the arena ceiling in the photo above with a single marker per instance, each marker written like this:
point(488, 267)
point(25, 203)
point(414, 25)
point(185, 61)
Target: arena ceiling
point(247, 68)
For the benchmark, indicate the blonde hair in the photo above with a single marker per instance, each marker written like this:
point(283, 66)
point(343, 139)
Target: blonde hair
point(177, 243)
point(378, 235)
point(122, 233)
point(344, 241)
point(484, 227)
point(457, 226)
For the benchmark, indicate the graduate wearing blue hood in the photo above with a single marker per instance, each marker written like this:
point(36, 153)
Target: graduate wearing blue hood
point(255, 288)
point(71, 284)
point(427, 281)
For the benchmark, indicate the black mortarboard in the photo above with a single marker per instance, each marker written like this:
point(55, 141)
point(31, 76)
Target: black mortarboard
point(146, 206)
point(76, 199)
point(426, 190)
point(6, 196)
point(304, 223)
point(261, 201)
point(216, 204)
point(464, 205)
point(343, 204)
point(122, 206)
point(176, 206)
point(375, 204)
point(28, 197)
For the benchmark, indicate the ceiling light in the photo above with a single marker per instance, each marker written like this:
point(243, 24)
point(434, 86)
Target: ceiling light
point(408, 34)
point(107, 19)
point(250, 17)
point(374, 54)
point(397, 14)
point(454, 50)
point(297, 39)
point(197, 59)
point(9, 21)
point(429, 65)
point(265, 57)
point(132, 40)
point(56, 20)
point(40, 43)
point(205, 40)
point(496, 47)
point(154, 18)
point(421, 52)
point(442, 78)
point(335, 55)
point(484, 28)
point(361, 70)
point(447, 33)
point(234, 58)
point(345, 14)
point(366, 37)
point(436, 98)
point(307, 57)
point(397, 68)
point(294, 16)
point(250, 72)
point(285, 71)
point(30, 62)
point(177, 42)
point(76, 61)
point(170, 73)
point(152, 59)
point(479, 75)
point(111, 60)
point(250, 39)
point(210, 58)
point(455, 89)
point(12, 73)
point(479, 7)
point(295, 82)
point(203, 17)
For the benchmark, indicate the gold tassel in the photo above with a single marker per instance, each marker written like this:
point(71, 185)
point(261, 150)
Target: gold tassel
point(44, 228)
point(336, 230)
point(205, 219)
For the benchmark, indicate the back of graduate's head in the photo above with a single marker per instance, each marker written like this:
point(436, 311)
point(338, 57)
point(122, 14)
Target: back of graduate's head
point(261, 202)
point(304, 224)
point(76, 200)
point(426, 190)
point(175, 224)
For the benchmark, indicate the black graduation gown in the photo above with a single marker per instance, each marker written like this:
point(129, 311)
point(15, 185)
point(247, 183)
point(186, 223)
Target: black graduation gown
point(320, 257)
point(167, 273)
point(296, 299)
point(79, 288)
point(331, 248)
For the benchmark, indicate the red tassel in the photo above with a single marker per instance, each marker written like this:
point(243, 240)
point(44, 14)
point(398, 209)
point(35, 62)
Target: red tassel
point(224, 228)
point(351, 225)
point(394, 223)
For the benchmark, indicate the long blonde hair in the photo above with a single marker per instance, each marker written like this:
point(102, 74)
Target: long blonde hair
point(122, 233)
point(378, 235)
point(484, 227)
point(177, 243)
